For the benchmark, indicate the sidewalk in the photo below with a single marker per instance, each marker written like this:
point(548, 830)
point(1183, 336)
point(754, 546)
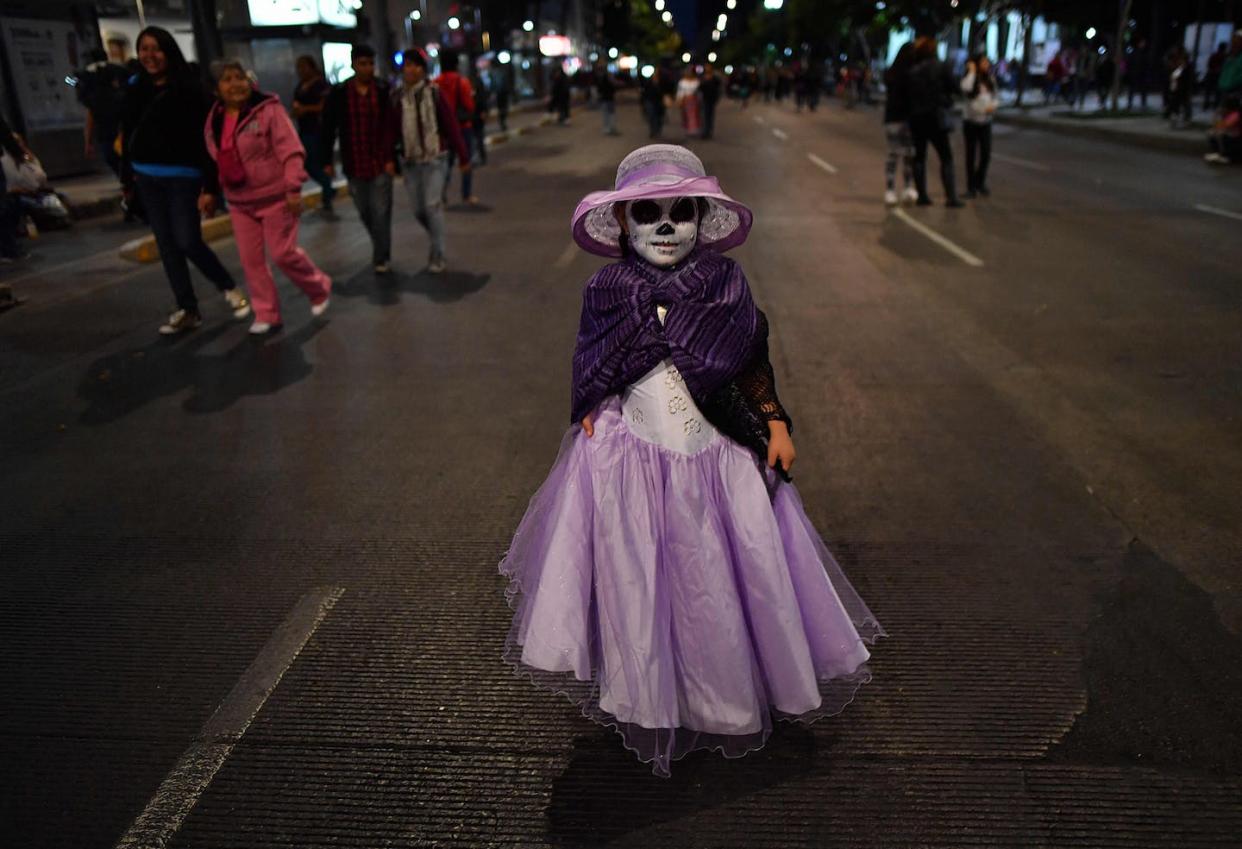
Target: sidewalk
point(1141, 129)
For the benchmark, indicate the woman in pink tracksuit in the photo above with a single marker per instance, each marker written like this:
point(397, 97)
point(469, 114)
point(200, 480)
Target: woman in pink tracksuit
point(260, 159)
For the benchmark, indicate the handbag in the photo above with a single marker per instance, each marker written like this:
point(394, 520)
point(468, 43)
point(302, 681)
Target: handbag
point(25, 176)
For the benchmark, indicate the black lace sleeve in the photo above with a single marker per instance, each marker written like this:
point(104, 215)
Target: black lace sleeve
point(757, 382)
point(742, 408)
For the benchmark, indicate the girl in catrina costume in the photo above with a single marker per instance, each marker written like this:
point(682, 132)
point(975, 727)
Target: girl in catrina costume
point(665, 576)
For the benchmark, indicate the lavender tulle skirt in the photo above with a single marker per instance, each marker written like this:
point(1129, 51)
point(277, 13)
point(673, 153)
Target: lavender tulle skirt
point(685, 601)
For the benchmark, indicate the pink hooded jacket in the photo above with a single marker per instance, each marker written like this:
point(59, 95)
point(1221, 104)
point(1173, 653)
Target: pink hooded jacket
point(269, 147)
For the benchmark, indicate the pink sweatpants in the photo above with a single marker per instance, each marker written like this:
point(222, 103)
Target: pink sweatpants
point(273, 229)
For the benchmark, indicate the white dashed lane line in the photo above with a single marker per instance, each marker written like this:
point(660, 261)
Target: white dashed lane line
point(830, 168)
point(779, 133)
point(1216, 210)
point(958, 251)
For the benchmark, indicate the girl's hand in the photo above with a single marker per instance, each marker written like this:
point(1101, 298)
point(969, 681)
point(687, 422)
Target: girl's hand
point(206, 205)
point(780, 446)
point(588, 426)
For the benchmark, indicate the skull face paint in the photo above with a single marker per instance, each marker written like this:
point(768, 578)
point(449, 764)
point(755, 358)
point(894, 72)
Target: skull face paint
point(663, 231)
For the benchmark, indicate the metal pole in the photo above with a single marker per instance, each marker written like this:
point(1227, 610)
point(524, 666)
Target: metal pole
point(142, 17)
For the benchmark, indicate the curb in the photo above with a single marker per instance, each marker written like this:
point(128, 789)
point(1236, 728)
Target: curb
point(1083, 129)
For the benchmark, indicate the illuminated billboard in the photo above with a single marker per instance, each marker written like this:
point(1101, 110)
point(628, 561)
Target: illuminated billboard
point(283, 13)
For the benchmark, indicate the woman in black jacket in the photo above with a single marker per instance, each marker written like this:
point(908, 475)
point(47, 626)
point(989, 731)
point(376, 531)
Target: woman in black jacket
point(930, 90)
point(164, 160)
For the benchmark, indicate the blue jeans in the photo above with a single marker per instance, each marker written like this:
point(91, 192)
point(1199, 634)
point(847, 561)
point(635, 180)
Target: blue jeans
point(314, 166)
point(608, 109)
point(467, 178)
point(171, 204)
point(373, 198)
point(424, 182)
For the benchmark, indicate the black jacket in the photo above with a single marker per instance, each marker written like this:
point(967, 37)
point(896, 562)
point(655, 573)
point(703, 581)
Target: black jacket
point(163, 125)
point(930, 87)
point(896, 95)
point(336, 122)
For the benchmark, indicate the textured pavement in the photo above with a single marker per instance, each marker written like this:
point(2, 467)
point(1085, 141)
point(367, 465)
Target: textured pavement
point(1028, 469)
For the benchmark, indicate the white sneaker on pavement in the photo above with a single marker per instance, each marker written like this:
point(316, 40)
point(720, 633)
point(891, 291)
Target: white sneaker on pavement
point(319, 308)
point(890, 198)
point(260, 328)
point(437, 265)
point(179, 322)
point(383, 267)
point(909, 196)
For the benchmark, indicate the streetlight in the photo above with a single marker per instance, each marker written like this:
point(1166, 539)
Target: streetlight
point(685, 57)
point(528, 26)
point(667, 17)
point(731, 5)
point(659, 5)
point(715, 35)
point(711, 57)
point(504, 57)
point(777, 4)
point(722, 23)
point(1090, 32)
point(416, 15)
point(648, 71)
point(453, 23)
point(613, 53)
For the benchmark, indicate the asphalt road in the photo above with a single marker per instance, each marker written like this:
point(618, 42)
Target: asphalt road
point(1018, 427)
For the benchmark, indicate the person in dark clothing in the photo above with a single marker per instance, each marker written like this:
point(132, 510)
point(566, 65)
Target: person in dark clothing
point(360, 112)
point(897, 128)
point(652, 99)
point(1180, 89)
point(709, 91)
point(606, 89)
point(930, 88)
point(503, 95)
point(482, 105)
point(559, 101)
point(101, 90)
point(1211, 80)
point(10, 209)
point(164, 160)
point(1138, 75)
point(309, 98)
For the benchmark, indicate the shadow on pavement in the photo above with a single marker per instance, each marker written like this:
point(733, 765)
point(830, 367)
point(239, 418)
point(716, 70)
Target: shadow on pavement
point(386, 289)
point(118, 384)
point(606, 793)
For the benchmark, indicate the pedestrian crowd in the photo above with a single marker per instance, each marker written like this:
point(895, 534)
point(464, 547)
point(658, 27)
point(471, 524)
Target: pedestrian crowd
point(185, 149)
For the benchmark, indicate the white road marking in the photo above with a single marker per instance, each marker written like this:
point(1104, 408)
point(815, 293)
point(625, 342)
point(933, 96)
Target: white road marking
point(1216, 210)
point(831, 169)
point(1021, 163)
point(779, 133)
point(759, 119)
point(959, 252)
point(567, 256)
point(181, 789)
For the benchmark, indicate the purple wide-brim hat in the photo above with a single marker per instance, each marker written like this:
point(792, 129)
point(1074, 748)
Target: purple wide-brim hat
point(653, 172)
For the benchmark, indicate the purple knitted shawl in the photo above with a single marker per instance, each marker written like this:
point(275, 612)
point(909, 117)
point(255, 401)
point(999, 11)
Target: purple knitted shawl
point(710, 333)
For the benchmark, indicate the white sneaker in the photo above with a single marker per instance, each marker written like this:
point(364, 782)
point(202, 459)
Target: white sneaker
point(237, 302)
point(179, 322)
point(383, 267)
point(890, 198)
point(319, 308)
point(437, 265)
point(260, 328)
point(909, 196)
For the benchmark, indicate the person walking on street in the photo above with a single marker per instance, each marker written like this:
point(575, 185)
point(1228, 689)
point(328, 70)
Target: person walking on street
point(1138, 75)
point(260, 162)
point(930, 89)
point(459, 95)
point(482, 105)
point(359, 110)
point(559, 101)
point(652, 99)
point(309, 98)
point(1231, 71)
point(429, 134)
point(897, 128)
point(709, 90)
point(606, 88)
point(164, 161)
point(101, 90)
point(1211, 79)
point(690, 103)
point(1180, 89)
point(500, 83)
point(979, 86)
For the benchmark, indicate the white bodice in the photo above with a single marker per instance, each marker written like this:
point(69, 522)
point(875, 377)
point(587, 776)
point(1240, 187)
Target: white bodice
point(658, 409)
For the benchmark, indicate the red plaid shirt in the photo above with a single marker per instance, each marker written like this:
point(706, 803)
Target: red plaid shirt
point(365, 134)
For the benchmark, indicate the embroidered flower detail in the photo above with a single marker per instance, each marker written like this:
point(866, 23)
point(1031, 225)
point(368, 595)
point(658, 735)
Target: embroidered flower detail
point(677, 404)
point(692, 426)
point(637, 416)
point(672, 377)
